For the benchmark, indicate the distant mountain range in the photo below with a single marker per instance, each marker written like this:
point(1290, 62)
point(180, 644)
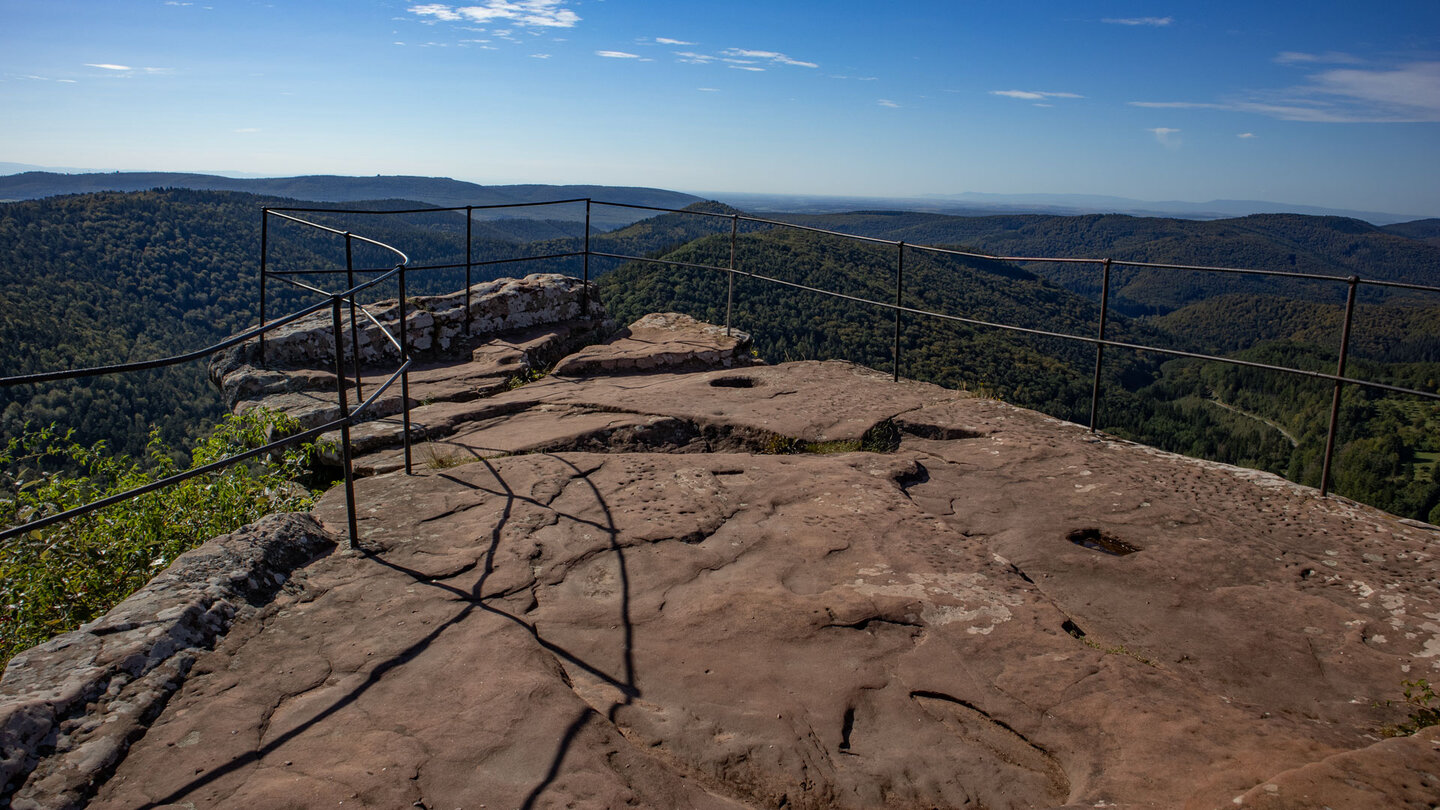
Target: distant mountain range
point(21, 181)
point(973, 203)
point(441, 191)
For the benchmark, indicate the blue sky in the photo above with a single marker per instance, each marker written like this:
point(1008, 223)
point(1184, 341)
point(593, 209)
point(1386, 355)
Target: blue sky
point(1320, 103)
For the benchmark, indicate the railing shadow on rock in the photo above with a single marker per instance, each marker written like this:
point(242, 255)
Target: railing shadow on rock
point(348, 416)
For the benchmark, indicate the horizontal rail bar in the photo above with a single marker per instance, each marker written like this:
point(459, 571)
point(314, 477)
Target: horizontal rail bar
point(487, 207)
point(1319, 375)
point(302, 285)
point(383, 330)
point(398, 252)
point(668, 262)
point(146, 489)
point(404, 367)
point(143, 365)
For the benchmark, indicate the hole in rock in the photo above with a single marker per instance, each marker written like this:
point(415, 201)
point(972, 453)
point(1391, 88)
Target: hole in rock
point(732, 382)
point(846, 727)
point(1102, 542)
point(1073, 629)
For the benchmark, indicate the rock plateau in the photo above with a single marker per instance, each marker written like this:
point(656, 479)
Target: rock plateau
point(664, 575)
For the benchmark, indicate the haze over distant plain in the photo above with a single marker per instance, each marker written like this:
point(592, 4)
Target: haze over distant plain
point(1322, 104)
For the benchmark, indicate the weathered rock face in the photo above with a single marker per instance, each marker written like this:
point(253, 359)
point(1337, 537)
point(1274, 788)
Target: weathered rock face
point(70, 707)
point(984, 607)
point(666, 341)
point(512, 326)
point(1003, 611)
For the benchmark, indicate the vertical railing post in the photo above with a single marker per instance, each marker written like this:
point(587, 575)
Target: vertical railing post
point(264, 253)
point(1100, 347)
point(899, 290)
point(585, 272)
point(469, 260)
point(1354, 282)
point(337, 330)
point(405, 374)
point(354, 329)
point(730, 276)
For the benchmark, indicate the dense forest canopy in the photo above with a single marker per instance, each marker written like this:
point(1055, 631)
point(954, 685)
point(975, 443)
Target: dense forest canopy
point(100, 278)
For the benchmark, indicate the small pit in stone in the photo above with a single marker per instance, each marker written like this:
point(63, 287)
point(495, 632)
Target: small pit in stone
point(1105, 543)
point(732, 382)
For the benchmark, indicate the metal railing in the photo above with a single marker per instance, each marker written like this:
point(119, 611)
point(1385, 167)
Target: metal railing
point(398, 271)
point(348, 416)
point(1099, 340)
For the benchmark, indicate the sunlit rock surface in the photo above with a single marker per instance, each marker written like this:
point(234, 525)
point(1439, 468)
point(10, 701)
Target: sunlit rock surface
point(804, 585)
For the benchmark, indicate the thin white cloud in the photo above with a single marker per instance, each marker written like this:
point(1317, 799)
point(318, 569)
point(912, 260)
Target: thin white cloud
point(519, 13)
point(1406, 94)
point(744, 67)
point(1246, 136)
point(694, 58)
point(708, 89)
point(1165, 135)
point(885, 102)
point(1033, 95)
point(103, 66)
point(539, 56)
point(669, 41)
point(436, 10)
point(1327, 58)
point(1179, 105)
point(617, 55)
point(772, 56)
point(1157, 22)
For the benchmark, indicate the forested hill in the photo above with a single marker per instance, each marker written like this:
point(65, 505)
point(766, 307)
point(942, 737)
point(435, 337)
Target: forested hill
point(1333, 246)
point(94, 279)
point(440, 191)
point(109, 277)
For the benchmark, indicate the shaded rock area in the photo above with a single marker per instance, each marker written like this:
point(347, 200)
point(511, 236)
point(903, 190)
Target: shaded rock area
point(806, 586)
point(69, 708)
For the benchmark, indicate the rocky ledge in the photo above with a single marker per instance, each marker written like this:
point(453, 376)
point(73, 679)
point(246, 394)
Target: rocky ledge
point(804, 585)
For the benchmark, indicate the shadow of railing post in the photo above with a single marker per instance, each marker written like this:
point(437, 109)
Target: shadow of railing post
point(1100, 347)
point(1353, 281)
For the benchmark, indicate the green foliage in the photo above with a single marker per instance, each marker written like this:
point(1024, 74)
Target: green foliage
point(55, 579)
point(1424, 709)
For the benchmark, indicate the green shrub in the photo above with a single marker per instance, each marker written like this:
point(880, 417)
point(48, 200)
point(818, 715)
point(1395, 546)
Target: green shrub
point(1424, 709)
point(55, 579)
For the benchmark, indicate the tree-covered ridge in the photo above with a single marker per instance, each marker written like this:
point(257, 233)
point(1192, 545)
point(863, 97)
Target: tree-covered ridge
point(104, 278)
point(1333, 246)
point(1254, 418)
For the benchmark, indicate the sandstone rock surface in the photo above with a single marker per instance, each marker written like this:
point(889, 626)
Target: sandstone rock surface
point(806, 586)
point(70, 707)
point(1003, 610)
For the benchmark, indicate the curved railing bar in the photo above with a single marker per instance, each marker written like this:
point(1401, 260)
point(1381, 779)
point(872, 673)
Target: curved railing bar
point(111, 500)
point(404, 367)
point(121, 368)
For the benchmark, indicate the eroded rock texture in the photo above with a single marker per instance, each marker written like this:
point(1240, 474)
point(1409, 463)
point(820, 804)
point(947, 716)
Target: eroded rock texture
point(804, 585)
